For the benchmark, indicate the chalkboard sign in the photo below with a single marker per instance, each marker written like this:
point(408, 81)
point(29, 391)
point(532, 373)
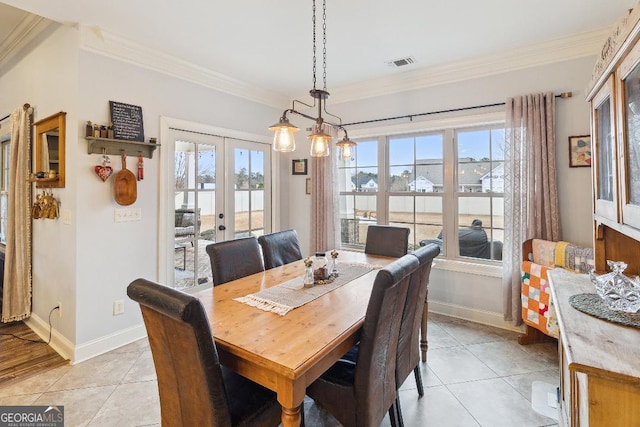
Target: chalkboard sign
point(127, 121)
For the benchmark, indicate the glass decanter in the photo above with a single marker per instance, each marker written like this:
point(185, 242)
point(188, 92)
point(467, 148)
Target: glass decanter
point(619, 292)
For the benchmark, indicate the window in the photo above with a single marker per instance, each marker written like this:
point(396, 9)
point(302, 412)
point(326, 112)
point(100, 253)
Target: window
point(358, 184)
point(446, 186)
point(5, 152)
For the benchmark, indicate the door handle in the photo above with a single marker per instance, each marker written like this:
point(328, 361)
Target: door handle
point(222, 227)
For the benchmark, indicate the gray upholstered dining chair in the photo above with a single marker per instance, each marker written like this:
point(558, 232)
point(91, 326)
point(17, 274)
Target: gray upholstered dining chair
point(195, 390)
point(360, 388)
point(408, 353)
point(280, 248)
point(233, 259)
point(387, 240)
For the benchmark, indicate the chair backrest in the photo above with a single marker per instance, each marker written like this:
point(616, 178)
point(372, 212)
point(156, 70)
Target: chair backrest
point(190, 380)
point(408, 353)
point(375, 376)
point(280, 248)
point(386, 240)
point(233, 259)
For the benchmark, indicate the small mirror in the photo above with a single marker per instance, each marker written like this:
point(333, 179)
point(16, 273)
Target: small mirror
point(50, 151)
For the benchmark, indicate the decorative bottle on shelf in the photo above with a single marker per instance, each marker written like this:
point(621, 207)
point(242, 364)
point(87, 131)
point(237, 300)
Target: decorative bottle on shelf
point(320, 266)
point(110, 130)
point(89, 130)
point(308, 273)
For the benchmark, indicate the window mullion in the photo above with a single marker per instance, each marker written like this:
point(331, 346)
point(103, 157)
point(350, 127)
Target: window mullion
point(449, 209)
point(382, 197)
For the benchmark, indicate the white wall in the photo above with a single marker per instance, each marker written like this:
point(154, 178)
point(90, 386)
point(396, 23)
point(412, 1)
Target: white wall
point(453, 290)
point(103, 278)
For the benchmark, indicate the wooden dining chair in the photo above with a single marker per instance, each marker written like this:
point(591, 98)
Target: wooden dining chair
point(195, 390)
point(280, 248)
point(233, 259)
point(387, 240)
point(408, 353)
point(359, 390)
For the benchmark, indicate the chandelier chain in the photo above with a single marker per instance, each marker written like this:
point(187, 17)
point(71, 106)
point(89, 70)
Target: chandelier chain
point(324, 43)
point(314, 44)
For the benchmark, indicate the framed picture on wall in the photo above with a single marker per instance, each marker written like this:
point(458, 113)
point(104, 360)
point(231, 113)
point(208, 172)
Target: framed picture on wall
point(299, 167)
point(580, 151)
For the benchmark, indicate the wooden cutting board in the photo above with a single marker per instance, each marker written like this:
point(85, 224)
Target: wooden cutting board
point(125, 186)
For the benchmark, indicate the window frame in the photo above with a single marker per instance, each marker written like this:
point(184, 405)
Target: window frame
point(449, 126)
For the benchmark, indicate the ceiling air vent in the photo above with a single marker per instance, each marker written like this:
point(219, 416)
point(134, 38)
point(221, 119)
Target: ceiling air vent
point(401, 62)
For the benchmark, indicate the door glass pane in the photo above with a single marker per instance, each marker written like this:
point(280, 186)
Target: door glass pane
point(632, 97)
point(605, 151)
point(194, 212)
point(249, 166)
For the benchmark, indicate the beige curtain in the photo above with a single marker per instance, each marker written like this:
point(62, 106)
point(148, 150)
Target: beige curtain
point(325, 227)
point(530, 194)
point(16, 302)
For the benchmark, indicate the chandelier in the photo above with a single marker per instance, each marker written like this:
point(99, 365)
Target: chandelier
point(284, 140)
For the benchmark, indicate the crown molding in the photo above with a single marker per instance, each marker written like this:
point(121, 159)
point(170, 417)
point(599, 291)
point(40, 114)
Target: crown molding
point(554, 51)
point(93, 39)
point(581, 45)
point(24, 32)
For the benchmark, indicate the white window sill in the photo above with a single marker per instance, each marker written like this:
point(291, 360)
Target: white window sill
point(469, 267)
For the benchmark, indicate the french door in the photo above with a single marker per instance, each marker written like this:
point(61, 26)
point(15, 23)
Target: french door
point(220, 190)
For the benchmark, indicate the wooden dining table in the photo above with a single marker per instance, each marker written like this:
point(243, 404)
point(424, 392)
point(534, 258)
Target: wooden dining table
point(287, 353)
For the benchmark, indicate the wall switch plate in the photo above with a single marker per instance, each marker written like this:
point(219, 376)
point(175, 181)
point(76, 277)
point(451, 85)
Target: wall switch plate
point(118, 307)
point(127, 214)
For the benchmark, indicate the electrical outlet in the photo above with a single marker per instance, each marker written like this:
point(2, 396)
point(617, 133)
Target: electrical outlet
point(118, 307)
point(59, 304)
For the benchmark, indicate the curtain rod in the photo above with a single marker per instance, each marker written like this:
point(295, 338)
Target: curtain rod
point(25, 106)
point(562, 95)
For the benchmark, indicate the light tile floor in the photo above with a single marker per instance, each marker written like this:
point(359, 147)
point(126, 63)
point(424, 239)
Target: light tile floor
point(475, 376)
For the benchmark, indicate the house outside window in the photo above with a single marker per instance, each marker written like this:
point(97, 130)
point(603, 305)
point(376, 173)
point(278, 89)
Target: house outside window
point(446, 186)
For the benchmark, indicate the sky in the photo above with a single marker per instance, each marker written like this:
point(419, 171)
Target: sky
point(403, 150)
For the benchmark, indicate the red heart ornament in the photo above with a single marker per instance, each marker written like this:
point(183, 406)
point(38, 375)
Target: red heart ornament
point(104, 172)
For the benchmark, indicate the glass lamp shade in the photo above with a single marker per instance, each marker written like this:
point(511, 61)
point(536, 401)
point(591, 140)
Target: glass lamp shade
point(320, 143)
point(283, 140)
point(345, 146)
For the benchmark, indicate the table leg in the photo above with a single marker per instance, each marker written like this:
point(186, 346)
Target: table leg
point(423, 331)
point(291, 417)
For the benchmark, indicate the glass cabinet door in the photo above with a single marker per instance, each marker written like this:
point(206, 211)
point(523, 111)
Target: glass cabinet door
point(605, 153)
point(630, 144)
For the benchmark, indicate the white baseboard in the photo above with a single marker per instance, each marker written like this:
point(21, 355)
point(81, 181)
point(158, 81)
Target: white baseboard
point(108, 342)
point(473, 314)
point(59, 343)
point(76, 354)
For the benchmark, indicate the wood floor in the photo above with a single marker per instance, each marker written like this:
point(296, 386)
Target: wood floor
point(21, 359)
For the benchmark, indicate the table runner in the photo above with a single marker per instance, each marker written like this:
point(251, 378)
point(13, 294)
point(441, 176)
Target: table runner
point(291, 294)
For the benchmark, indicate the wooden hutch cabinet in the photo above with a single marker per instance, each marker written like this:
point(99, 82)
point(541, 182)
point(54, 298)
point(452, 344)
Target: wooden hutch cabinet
point(614, 94)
